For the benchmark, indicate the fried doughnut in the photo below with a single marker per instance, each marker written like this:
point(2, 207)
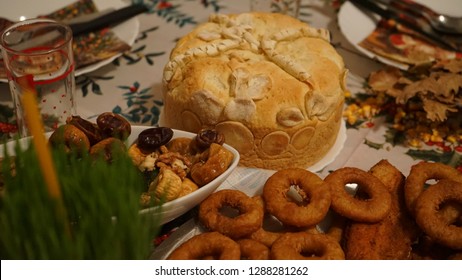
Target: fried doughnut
point(271, 228)
point(391, 238)
point(336, 228)
point(262, 235)
point(427, 206)
point(425, 248)
point(303, 245)
point(253, 250)
point(421, 173)
point(248, 220)
point(288, 211)
point(208, 245)
point(372, 209)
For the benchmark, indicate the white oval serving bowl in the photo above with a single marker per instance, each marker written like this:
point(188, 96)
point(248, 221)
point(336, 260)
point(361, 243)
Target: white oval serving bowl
point(175, 208)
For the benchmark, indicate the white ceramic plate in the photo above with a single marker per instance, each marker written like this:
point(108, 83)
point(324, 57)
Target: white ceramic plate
point(356, 25)
point(16, 10)
point(174, 208)
point(251, 182)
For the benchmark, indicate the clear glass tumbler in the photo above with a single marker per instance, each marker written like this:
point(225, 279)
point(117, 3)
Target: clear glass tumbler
point(38, 55)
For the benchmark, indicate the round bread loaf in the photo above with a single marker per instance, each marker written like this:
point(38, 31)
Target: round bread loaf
point(273, 85)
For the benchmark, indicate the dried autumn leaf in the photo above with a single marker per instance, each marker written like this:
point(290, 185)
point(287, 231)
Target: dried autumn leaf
point(437, 111)
point(448, 83)
point(384, 80)
point(438, 86)
point(458, 102)
point(421, 87)
point(453, 65)
point(396, 93)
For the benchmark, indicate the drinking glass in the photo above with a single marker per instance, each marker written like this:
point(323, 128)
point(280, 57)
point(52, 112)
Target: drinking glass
point(38, 56)
point(288, 7)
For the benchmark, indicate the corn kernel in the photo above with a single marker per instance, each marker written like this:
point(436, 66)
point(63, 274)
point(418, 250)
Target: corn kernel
point(367, 111)
point(436, 138)
point(352, 119)
point(452, 139)
point(425, 137)
point(414, 143)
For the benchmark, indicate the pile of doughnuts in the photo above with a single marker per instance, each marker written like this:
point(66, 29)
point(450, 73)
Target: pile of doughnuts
point(375, 214)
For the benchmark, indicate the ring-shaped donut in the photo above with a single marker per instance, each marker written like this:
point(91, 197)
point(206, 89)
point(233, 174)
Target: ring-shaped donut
point(253, 250)
point(248, 220)
point(372, 209)
point(262, 235)
point(422, 172)
point(303, 245)
point(208, 245)
point(286, 210)
point(427, 206)
point(271, 228)
point(335, 230)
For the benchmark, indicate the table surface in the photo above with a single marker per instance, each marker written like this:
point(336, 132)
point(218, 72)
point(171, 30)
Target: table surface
point(138, 74)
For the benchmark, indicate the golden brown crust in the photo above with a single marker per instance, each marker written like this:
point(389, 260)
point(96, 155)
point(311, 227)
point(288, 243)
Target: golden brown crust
point(248, 219)
point(427, 209)
point(260, 79)
point(253, 250)
point(390, 238)
point(208, 245)
point(305, 214)
point(306, 246)
point(371, 210)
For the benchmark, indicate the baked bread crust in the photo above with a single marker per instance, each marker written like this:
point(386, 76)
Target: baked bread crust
point(273, 85)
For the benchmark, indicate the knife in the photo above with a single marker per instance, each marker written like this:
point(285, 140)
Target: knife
point(425, 31)
point(107, 19)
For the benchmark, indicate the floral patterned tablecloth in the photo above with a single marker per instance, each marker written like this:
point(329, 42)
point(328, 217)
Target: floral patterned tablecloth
point(131, 85)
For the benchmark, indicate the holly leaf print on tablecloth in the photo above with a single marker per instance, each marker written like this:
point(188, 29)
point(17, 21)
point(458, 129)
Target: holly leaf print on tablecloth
point(142, 108)
point(452, 158)
point(87, 82)
point(136, 55)
point(171, 12)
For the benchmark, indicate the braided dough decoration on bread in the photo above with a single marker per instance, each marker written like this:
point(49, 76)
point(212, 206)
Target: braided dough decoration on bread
point(273, 85)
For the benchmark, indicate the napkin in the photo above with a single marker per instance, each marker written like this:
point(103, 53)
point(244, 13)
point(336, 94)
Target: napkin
point(393, 41)
point(88, 48)
point(92, 47)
